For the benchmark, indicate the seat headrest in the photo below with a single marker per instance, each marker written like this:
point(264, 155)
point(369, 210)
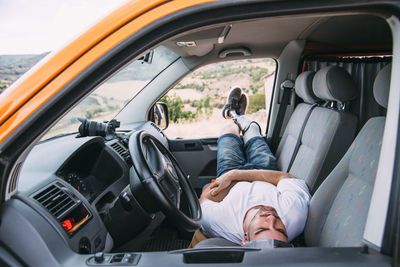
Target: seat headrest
point(334, 83)
point(303, 87)
point(382, 85)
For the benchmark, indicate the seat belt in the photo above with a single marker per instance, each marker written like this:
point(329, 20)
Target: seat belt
point(298, 143)
point(287, 87)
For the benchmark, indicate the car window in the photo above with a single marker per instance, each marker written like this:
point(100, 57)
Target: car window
point(109, 98)
point(195, 104)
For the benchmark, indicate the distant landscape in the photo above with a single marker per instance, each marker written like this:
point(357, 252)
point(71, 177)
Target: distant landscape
point(195, 103)
point(13, 66)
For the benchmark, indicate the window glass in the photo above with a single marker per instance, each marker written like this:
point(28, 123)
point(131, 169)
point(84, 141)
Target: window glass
point(109, 98)
point(195, 103)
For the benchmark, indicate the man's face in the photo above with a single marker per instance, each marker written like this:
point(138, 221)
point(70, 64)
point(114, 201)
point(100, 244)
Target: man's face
point(266, 224)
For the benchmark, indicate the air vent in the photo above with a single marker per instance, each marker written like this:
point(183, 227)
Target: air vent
point(56, 201)
point(121, 150)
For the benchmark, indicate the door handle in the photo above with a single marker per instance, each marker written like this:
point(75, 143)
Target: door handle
point(193, 146)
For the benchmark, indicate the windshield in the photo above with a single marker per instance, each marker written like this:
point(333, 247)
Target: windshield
point(108, 99)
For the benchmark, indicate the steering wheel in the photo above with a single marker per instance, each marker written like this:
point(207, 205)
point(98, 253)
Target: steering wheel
point(160, 173)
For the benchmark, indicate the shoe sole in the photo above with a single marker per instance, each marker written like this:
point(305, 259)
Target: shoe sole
point(247, 102)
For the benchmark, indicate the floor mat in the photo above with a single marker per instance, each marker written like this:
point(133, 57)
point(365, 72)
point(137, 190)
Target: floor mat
point(164, 245)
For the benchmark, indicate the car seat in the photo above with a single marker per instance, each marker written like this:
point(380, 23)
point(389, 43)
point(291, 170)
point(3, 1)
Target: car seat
point(339, 208)
point(329, 130)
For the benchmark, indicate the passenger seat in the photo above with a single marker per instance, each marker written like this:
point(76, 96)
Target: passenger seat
point(339, 208)
point(329, 130)
point(287, 144)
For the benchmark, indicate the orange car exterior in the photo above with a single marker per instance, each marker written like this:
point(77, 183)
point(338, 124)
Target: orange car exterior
point(41, 83)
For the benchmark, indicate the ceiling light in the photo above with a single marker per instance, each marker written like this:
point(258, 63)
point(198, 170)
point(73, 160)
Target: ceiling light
point(187, 44)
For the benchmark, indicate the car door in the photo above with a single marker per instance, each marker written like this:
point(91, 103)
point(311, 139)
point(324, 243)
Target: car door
point(198, 158)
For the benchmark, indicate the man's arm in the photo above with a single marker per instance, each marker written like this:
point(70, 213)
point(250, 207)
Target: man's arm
point(216, 197)
point(222, 185)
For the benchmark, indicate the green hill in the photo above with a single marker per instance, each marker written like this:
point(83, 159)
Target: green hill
point(30, 59)
point(13, 66)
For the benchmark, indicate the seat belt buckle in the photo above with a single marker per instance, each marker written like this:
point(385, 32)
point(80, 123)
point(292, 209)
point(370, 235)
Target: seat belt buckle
point(286, 88)
point(287, 84)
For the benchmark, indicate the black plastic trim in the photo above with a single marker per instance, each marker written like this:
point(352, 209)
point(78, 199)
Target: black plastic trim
point(9, 258)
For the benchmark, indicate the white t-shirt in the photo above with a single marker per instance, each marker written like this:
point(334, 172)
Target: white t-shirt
point(225, 219)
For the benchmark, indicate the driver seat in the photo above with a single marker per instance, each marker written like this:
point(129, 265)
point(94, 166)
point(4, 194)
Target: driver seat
point(339, 208)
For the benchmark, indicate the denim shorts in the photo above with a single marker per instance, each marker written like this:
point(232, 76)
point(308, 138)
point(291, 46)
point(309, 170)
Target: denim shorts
point(233, 154)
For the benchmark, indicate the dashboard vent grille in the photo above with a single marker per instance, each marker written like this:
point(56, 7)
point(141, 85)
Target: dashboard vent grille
point(121, 150)
point(55, 200)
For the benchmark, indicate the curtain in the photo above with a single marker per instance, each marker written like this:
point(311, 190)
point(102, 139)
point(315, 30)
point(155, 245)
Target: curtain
point(363, 70)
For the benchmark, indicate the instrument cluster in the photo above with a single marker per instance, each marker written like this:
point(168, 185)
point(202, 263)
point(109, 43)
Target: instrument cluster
point(81, 184)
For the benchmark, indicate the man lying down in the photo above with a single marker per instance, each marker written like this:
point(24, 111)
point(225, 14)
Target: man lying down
point(250, 199)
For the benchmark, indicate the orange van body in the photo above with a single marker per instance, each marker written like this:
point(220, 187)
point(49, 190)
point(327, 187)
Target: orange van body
point(42, 82)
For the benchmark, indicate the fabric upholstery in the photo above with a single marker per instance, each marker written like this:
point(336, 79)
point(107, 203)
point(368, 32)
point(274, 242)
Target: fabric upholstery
point(289, 138)
point(338, 209)
point(382, 85)
point(287, 144)
point(333, 83)
point(303, 87)
point(327, 136)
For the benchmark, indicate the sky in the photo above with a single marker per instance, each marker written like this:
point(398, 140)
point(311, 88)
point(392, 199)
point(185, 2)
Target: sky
point(37, 26)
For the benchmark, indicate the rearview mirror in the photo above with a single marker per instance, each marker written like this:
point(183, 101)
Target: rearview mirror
point(159, 115)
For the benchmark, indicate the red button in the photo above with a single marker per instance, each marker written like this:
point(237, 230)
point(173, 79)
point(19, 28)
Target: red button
point(67, 224)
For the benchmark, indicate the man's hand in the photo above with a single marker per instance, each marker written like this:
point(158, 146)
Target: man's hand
point(222, 182)
point(225, 181)
point(219, 188)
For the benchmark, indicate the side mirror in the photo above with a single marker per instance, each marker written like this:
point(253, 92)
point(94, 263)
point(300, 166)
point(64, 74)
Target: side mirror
point(159, 115)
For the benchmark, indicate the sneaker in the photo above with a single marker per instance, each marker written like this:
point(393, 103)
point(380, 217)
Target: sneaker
point(232, 103)
point(243, 103)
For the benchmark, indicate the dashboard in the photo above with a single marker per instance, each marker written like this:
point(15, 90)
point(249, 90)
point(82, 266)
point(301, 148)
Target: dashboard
point(70, 188)
point(93, 168)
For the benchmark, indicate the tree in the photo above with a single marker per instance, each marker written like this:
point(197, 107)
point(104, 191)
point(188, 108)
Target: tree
point(175, 109)
point(257, 102)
